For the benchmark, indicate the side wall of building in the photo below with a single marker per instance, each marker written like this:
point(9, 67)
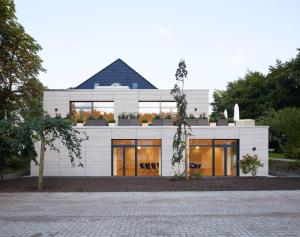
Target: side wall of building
point(96, 152)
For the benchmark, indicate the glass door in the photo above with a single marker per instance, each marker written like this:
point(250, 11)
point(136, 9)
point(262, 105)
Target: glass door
point(220, 157)
point(124, 161)
point(129, 153)
point(118, 167)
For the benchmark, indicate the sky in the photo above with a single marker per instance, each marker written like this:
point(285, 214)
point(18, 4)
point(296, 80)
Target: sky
point(219, 40)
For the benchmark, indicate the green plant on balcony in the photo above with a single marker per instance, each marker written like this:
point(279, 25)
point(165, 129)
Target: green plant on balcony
point(144, 120)
point(111, 120)
point(79, 120)
point(101, 117)
point(91, 117)
point(157, 116)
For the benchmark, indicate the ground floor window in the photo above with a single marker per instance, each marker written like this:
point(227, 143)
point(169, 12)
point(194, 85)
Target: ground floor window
point(136, 157)
point(214, 157)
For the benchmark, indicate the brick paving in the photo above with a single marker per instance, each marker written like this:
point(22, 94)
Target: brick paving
point(232, 213)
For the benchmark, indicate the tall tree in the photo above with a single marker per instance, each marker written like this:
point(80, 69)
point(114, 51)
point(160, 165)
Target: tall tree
point(19, 63)
point(180, 140)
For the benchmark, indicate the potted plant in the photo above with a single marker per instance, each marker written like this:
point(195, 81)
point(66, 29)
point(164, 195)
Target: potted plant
point(130, 119)
point(203, 121)
point(145, 122)
point(212, 121)
point(231, 122)
point(100, 121)
point(192, 120)
point(111, 122)
point(157, 120)
point(167, 120)
point(250, 164)
point(133, 119)
point(222, 121)
point(123, 119)
point(90, 121)
point(79, 122)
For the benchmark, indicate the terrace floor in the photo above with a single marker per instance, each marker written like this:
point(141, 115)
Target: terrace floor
point(233, 213)
point(149, 184)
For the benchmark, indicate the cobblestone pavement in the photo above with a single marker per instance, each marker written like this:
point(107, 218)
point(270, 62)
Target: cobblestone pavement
point(245, 213)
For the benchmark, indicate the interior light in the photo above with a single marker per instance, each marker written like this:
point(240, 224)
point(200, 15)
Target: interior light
point(197, 147)
point(139, 147)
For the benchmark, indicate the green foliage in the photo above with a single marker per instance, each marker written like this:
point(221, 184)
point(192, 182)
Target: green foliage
point(284, 130)
point(91, 117)
point(20, 64)
point(182, 133)
point(144, 120)
point(157, 116)
point(111, 120)
point(255, 93)
point(15, 164)
point(168, 116)
point(79, 120)
point(196, 176)
point(250, 164)
point(52, 129)
point(124, 115)
point(101, 117)
point(178, 177)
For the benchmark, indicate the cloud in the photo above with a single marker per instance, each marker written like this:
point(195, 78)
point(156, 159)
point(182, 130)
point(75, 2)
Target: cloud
point(164, 31)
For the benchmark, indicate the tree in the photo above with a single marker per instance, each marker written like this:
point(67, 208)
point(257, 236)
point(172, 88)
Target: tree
point(180, 140)
point(47, 130)
point(285, 128)
point(19, 63)
point(256, 93)
point(14, 141)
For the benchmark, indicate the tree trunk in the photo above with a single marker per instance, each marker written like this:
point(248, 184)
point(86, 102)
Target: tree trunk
point(41, 168)
point(187, 158)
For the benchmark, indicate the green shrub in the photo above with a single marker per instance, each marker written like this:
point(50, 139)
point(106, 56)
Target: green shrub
point(15, 163)
point(250, 164)
point(196, 176)
point(178, 177)
point(111, 120)
point(144, 120)
point(292, 152)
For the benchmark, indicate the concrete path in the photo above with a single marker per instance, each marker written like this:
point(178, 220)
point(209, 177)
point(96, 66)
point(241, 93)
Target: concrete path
point(253, 213)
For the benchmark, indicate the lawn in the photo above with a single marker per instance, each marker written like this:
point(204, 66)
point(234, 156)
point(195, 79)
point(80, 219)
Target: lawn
point(277, 155)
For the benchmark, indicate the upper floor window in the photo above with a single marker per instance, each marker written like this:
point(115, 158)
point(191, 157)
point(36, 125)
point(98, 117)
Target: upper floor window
point(149, 109)
point(83, 110)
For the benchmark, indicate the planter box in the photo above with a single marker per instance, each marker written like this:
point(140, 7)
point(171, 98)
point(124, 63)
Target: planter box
point(144, 124)
point(128, 122)
point(167, 122)
point(193, 122)
point(123, 122)
point(157, 122)
point(79, 124)
point(100, 122)
point(203, 122)
point(222, 122)
point(133, 122)
point(111, 124)
point(231, 124)
point(213, 124)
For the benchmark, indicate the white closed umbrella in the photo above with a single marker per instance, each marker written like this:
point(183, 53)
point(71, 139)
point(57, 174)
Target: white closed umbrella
point(225, 114)
point(236, 115)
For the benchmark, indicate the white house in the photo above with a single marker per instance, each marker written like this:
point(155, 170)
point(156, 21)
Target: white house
point(134, 150)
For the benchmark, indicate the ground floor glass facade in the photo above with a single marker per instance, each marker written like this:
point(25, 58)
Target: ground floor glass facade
point(214, 157)
point(136, 157)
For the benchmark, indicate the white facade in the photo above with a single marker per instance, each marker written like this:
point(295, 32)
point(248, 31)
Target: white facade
point(97, 151)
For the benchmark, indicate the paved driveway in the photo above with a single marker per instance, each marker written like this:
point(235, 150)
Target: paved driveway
point(253, 213)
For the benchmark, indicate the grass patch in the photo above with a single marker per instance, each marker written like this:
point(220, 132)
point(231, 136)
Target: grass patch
point(277, 155)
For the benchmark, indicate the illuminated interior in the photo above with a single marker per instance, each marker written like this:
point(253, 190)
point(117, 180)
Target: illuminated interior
point(136, 157)
point(213, 157)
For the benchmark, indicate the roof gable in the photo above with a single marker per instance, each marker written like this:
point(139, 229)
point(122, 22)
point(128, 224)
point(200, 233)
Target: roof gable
point(117, 72)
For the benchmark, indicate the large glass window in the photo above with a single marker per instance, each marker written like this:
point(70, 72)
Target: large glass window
point(148, 109)
point(214, 157)
point(136, 157)
point(85, 109)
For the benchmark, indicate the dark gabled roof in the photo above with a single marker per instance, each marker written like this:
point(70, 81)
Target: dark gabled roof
point(117, 72)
